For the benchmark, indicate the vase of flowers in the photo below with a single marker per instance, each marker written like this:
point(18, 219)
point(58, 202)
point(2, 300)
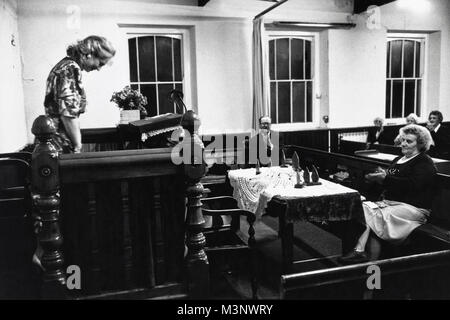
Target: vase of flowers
point(131, 103)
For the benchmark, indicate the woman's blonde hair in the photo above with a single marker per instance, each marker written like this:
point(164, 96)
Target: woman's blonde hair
point(413, 117)
point(424, 139)
point(97, 46)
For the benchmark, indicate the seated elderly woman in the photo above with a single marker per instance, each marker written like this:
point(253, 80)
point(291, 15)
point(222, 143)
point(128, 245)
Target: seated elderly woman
point(408, 189)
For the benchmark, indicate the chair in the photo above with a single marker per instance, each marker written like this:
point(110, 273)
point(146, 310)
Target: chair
point(223, 233)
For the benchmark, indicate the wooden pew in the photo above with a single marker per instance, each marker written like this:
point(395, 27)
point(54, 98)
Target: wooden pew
point(349, 147)
point(123, 217)
point(419, 276)
point(427, 246)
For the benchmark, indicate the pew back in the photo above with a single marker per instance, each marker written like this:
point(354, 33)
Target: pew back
point(122, 218)
point(419, 276)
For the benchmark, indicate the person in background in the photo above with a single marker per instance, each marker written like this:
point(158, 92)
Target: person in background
point(260, 146)
point(407, 193)
point(65, 97)
point(412, 118)
point(440, 135)
point(377, 134)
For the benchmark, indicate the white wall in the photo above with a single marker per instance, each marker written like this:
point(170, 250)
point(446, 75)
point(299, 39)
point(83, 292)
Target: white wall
point(221, 46)
point(357, 63)
point(434, 20)
point(353, 61)
point(357, 75)
point(12, 112)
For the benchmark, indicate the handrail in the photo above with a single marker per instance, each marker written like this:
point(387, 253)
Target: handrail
point(359, 271)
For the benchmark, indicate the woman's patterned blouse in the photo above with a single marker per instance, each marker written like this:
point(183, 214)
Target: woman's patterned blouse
point(65, 93)
point(64, 96)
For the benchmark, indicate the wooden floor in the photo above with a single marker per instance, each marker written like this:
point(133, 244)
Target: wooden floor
point(317, 249)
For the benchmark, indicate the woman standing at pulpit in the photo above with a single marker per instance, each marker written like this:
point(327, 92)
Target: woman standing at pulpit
point(65, 98)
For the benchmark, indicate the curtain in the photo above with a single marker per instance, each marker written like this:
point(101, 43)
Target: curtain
point(260, 77)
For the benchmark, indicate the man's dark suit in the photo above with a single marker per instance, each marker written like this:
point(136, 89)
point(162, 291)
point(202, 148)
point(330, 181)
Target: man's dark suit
point(441, 148)
point(383, 138)
point(257, 148)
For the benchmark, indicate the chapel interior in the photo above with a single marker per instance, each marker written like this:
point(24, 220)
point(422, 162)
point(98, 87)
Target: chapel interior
point(166, 205)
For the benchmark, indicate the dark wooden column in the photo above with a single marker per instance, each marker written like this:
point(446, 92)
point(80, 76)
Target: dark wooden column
point(46, 199)
point(194, 169)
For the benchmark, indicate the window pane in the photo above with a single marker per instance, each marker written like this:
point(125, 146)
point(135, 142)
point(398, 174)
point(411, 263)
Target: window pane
point(165, 105)
point(271, 60)
point(133, 59)
point(388, 59)
point(308, 61)
point(164, 58)
point(410, 94)
point(134, 86)
point(297, 59)
point(273, 102)
point(284, 101)
point(418, 73)
point(419, 96)
point(396, 56)
point(177, 59)
point(388, 98)
point(397, 97)
point(146, 59)
point(408, 59)
point(282, 57)
point(149, 90)
point(309, 112)
point(298, 104)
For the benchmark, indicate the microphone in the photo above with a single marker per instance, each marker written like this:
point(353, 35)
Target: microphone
point(176, 96)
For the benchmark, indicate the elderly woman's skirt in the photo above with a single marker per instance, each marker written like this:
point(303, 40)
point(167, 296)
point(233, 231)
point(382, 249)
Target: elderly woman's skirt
point(393, 220)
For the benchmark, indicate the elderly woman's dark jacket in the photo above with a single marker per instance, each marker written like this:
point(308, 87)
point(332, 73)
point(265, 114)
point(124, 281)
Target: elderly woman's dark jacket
point(411, 182)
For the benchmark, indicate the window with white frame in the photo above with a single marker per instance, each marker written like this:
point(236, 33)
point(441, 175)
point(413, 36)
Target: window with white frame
point(292, 77)
point(404, 75)
point(157, 63)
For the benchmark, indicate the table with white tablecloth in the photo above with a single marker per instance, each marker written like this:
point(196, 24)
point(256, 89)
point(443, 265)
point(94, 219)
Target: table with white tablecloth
point(327, 201)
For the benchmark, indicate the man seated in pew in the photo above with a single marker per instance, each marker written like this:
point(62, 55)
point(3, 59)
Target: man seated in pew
point(440, 135)
point(260, 147)
point(408, 190)
point(377, 134)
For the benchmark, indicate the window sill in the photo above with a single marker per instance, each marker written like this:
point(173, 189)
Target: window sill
point(295, 126)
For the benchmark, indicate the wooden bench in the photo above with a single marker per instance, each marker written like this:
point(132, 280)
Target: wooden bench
point(419, 276)
point(422, 247)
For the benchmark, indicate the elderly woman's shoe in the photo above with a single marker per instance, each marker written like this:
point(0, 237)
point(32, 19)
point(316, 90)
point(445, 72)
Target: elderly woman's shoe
point(354, 257)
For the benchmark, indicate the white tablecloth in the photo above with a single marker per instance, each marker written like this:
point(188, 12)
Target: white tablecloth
point(253, 192)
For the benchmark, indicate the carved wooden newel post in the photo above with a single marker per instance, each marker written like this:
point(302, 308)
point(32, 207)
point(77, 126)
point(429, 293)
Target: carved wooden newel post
point(194, 169)
point(45, 192)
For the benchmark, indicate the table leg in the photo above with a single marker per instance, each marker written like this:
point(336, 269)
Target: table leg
point(286, 234)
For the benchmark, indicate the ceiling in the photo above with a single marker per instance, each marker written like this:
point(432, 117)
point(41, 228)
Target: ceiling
point(358, 5)
point(361, 5)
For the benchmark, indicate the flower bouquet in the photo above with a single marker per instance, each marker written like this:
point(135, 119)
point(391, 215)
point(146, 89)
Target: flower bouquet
point(129, 99)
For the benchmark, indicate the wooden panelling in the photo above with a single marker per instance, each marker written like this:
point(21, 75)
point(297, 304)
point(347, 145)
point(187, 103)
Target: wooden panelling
point(125, 233)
